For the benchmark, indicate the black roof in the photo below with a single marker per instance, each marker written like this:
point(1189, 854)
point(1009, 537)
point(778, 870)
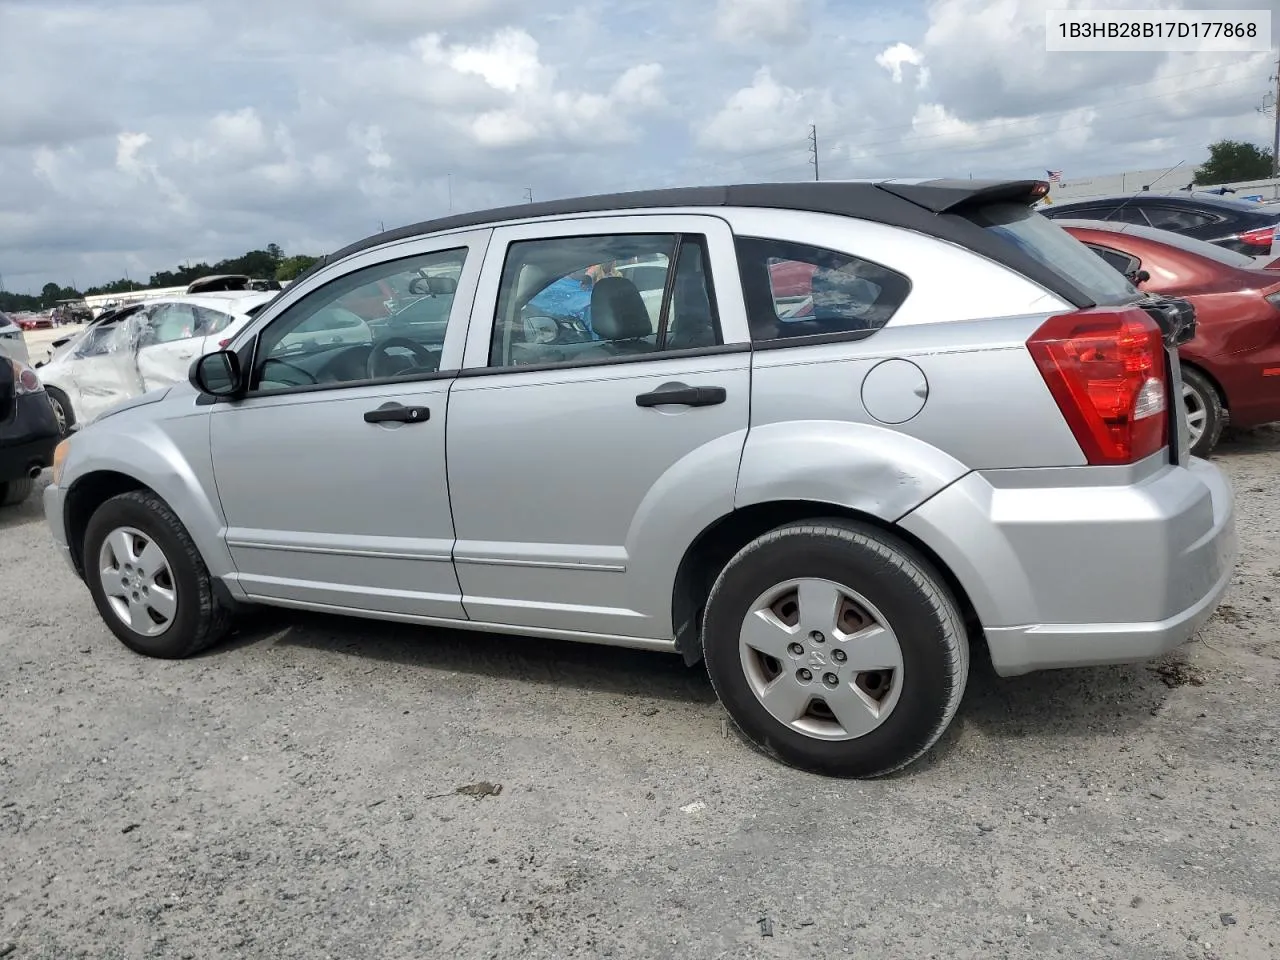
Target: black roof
point(935, 207)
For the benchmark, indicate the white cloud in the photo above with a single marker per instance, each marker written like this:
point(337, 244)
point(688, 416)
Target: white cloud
point(894, 58)
point(309, 121)
point(758, 115)
point(779, 22)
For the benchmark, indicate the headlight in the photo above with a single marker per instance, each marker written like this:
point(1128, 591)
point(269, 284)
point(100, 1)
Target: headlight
point(25, 380)
point(59, 458)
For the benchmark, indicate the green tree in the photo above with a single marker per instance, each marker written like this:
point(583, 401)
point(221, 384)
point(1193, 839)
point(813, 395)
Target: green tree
point(50, 294)
point(291, 267)
point(1231, 161)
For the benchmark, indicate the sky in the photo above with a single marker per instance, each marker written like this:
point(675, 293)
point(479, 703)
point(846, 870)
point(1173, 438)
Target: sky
point(139, 134)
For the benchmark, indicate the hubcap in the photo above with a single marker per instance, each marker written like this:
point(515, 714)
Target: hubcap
point(821, 659)
point(137, 581)
point(1197, 413)
point(59, 415)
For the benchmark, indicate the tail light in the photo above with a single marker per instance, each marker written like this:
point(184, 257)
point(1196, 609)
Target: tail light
point(1105, 368)
point(1262, 237)
point(223, 344)
point(25, 380)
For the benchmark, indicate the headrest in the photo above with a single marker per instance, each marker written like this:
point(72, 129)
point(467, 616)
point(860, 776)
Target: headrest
point(618, 311)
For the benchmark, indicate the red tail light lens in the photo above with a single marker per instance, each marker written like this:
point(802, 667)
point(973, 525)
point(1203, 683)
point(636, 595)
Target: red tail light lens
point(1262, 237)
point(1106, 370)
point(222, 344)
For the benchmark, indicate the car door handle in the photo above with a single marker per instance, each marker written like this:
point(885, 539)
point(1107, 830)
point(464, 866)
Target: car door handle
point(397, 413)
point(682, 394)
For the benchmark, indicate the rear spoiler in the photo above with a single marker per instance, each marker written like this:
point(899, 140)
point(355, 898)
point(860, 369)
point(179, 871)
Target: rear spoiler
point(950, 196)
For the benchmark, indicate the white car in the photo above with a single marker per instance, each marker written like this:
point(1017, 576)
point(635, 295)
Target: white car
point(139, 349)
point(12, 343)
point(150, 345)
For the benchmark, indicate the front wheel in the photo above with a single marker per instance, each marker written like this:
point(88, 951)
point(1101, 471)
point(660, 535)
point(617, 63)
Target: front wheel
point(148, 581)
point(836, 648)
point(62, 411)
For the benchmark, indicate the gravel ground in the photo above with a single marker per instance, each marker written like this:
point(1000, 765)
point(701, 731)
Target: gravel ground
point(296, 794)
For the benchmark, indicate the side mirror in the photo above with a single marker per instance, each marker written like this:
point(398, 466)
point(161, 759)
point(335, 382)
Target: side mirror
point(217, 374)
point(1138, 276)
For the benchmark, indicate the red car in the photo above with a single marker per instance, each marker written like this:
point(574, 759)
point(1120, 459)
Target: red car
point(38, 321)
point(1231, 370)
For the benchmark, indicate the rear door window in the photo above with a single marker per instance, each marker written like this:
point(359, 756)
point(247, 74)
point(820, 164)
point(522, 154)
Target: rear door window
point(1174, 218)
point(1122, 262)
point(796, 290)
point(1045, 241)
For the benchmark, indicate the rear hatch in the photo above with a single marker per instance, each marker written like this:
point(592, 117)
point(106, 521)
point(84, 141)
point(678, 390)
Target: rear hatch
point(1052, 246)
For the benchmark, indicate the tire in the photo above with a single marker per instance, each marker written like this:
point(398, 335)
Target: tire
point(1203, 408)
point(14, 492)
point(897, 709)
point(62, 409)
point(195, 620)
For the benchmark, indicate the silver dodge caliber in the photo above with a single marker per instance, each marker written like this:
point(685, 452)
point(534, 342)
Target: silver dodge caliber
point(820, 436)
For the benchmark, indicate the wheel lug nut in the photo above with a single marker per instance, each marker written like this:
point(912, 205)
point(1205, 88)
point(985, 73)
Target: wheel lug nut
point(839, 656)
point(817, 637)
point(804, 675)
point(830, 679)
point(796, 649)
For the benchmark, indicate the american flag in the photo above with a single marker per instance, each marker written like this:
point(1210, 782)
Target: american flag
point(1054, 175)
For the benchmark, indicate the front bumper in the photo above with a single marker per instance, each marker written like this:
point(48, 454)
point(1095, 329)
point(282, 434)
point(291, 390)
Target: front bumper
point(55, 519)
point(1063, 574)
point(27, 437)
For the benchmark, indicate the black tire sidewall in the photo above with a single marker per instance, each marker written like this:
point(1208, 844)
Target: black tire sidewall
point(1208, 395)
point(125, 511)
point(927, 650)
point(63, 401)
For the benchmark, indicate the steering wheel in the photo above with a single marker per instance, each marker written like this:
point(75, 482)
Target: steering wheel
point(423, 356)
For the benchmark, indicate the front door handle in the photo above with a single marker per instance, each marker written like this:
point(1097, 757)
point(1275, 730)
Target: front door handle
point(682, 394)
point(397, 413)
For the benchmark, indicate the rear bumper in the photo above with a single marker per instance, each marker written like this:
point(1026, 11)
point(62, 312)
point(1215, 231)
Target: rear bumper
point(27, 437)
point(1064, 574)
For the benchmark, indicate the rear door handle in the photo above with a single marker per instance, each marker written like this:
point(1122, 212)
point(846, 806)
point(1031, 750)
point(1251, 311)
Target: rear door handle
point(682, 394)
point(397, 413)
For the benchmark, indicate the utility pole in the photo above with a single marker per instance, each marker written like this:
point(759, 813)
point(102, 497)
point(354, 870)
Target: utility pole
point(528, 194)
point(813, 148)
point(1275, 136)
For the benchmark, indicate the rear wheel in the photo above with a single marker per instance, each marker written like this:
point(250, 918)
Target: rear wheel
point(836, 648)
point(15, 492)
point(1203, 411)
point(148, 580)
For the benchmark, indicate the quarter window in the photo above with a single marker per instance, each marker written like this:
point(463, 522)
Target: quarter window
point(796, 290)
point(383, 321)
point(589, 299)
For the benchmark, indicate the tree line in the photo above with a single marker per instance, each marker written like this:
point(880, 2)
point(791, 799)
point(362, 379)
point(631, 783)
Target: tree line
point(257, 264)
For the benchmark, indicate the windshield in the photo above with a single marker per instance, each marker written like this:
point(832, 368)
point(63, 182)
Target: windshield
point(1047, 242)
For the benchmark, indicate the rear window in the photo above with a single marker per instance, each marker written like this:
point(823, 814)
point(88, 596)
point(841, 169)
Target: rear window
point(1047, 242)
